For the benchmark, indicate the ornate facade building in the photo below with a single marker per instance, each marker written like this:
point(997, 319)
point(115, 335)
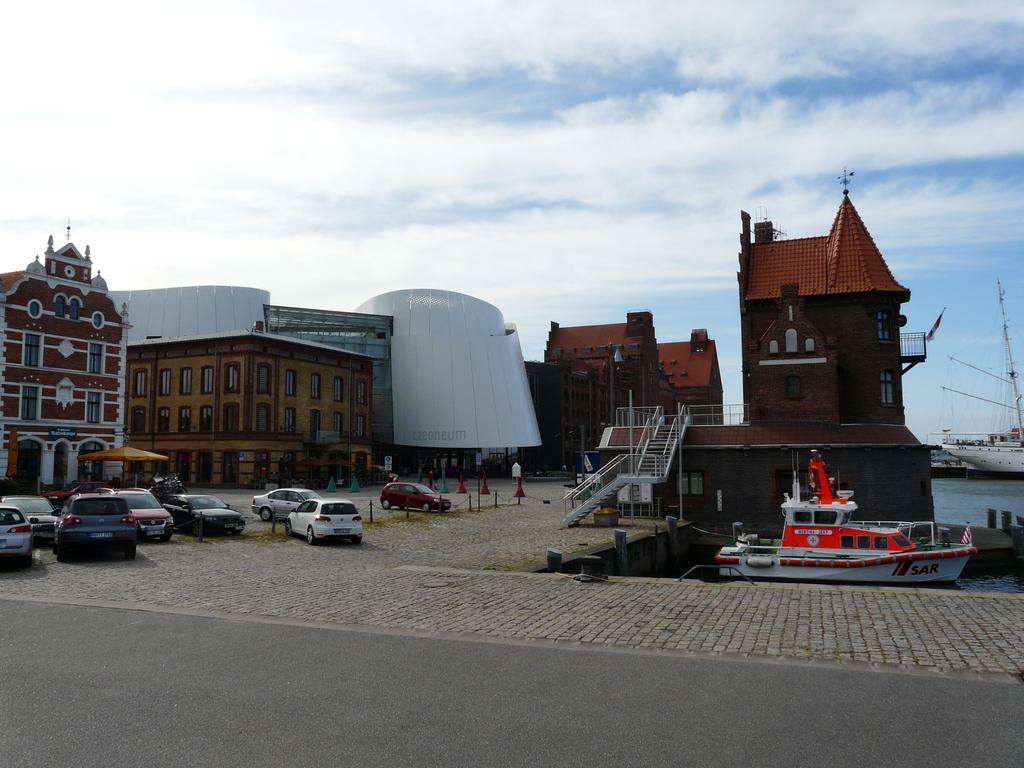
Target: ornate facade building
point(61, 368)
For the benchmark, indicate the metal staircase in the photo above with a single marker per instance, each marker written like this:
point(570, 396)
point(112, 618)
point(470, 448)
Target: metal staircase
point(648, 463)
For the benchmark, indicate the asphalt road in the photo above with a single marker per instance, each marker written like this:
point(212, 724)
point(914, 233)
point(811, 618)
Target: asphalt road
point(83, 686)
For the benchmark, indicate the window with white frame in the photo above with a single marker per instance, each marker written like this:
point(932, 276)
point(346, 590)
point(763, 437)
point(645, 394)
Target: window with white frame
point(93, 407)
point(29, 403)
point(95, 357)
point(30, 349)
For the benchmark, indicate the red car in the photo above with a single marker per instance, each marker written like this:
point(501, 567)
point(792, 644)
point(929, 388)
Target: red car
point(412, 495)
point(151, 519)
point(57, 498)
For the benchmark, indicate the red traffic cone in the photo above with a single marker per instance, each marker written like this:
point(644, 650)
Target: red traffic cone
point(519, 494)
point(462, 483)
point(484, 490)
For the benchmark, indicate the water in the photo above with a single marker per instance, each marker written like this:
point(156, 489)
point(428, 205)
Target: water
point(966, 501)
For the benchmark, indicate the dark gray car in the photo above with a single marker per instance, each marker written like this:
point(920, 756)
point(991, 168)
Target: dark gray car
point(95, 521)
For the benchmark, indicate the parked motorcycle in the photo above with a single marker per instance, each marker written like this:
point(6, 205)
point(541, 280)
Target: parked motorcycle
point(165, 486)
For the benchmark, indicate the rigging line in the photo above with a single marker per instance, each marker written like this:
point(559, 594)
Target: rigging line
point(981, 370)
point(985, 399)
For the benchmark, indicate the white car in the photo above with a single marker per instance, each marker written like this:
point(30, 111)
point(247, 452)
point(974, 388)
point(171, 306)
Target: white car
point(40, 513)
point(15, 535)
point(319, 519)
point(281, 502)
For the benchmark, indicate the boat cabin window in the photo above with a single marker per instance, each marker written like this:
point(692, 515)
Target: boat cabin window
point(825, 517)
point(901, 540)
point(846, 542)
point(881, 542)
point(863, 542)
point(801, 516)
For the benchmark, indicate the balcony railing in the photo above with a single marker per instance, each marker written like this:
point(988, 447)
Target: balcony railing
point(718, 415)
point(913, 347)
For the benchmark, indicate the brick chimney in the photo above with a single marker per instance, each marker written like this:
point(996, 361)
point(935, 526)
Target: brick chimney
point(764, 232)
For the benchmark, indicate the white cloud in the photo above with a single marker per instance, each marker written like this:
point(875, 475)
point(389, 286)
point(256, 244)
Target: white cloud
point(308, 148)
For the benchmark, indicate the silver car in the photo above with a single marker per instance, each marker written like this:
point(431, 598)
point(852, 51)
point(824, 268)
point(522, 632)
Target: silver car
point(15, 535)
point(40, 513)
point(281, 502)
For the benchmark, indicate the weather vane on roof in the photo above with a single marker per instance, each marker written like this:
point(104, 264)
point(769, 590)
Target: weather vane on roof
point(845, 178)
point(69, 229)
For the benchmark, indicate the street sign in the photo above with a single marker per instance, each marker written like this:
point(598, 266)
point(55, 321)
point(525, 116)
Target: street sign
point(387, 463)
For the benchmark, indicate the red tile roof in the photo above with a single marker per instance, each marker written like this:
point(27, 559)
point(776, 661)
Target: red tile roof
point(816, 434)
point(845, 261)
point(10, 278)
point(684, 368)
point(591, 336)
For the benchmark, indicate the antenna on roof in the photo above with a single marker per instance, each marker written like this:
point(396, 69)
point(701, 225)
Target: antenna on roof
point(845, 179)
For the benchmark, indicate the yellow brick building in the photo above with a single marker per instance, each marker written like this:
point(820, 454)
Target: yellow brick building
point(242, 407)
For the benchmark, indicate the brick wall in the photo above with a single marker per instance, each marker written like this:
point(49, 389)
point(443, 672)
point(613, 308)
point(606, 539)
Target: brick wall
point(889, 483)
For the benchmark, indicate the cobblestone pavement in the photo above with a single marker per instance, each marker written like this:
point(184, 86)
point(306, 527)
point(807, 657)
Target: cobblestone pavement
point(397, 580)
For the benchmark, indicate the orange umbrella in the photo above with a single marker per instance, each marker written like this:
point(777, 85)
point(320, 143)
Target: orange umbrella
point(124, 453)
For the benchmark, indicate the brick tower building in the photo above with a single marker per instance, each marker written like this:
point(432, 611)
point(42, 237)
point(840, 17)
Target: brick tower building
point(819, 320)
point(823, 361)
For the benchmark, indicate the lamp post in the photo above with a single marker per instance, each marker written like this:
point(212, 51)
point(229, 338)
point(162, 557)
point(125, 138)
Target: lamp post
point(616, 358)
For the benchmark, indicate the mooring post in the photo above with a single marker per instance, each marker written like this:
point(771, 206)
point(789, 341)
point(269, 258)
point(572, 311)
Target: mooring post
point(991, 518)
point(371, 510)
point(1017, 537)
point(673, 539)
point(554, 560)
point(1006, 520)
point(621, 555)
point(495, 499)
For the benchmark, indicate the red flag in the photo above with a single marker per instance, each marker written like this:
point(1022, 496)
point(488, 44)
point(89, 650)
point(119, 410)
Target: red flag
point(935, 325)
point(968, 539)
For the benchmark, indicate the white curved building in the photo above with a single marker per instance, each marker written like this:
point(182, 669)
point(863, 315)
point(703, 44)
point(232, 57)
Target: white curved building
point(191, 310)
point(458, 377)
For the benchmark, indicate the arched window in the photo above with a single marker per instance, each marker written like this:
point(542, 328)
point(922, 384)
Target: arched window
point(262, 417)
point(888, 385)
point(263, 378)
point(884, 322)
point(231, 379)
point(138, 420)
point(791, 340)
point(230, 417)
point(809, 344)
point(59, 306)
point(74, 305)
point(793, 386)
point(773, 347)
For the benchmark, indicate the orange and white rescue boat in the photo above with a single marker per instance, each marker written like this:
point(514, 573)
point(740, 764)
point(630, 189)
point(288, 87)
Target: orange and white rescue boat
point(820, 542)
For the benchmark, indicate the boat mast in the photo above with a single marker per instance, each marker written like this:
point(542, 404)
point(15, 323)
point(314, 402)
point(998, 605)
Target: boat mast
point(1012, 373)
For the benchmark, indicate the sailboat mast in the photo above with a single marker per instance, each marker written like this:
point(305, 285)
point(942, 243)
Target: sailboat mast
point(1012, 372)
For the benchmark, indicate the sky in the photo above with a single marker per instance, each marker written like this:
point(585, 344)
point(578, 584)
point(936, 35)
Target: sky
point(565, 161)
